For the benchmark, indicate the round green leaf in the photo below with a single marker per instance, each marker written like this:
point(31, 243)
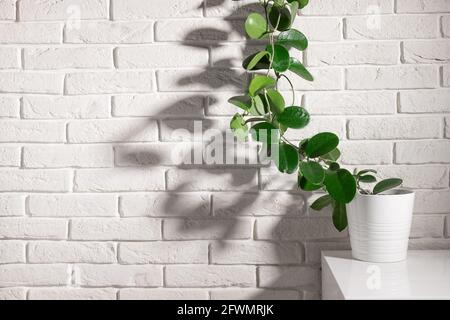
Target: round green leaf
point(333, 155)
point(305, 185)
point(321, 203)
point(301, 3)
point(280, 57)
point(256, 26)
point(294, 117)
point(334, 166)
point(299, 69)
point(341, 185)
point(313, 172)
point(387, 185)
point(259, 106)
point(276, 101)
point(239, 127)
point(293, 39)
point(259, 60)
point(281, 17)
point(287, 158)
point(265, 132)
point(293, 7)
point(259, 83)
point(321, 144)
point(340, 216)
point(362, 172)
point(367, 179)
point(243, 102)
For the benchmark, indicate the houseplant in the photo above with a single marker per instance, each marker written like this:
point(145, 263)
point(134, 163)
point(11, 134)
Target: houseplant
point(266, 117)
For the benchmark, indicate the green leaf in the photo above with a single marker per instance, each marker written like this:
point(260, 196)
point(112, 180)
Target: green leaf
point(259, 83)
point(341, 185)
point(239, 127)
point(287, 159)
point(313, 172)
point(321, 203)
point(387, 185)
point(294, 9)
point(362, 172)
point(280, 57)
point(305, 185)
point(321, 144)
point(280, 16)
point(367, 179)
point(301, 3)
point(299, 69)
point(294, 117)
point(333, 155)
point(255, 26)
point(334, 166)
point(265, 132)
point(243, 102)
point(340, 216)
point(257, 61)
point(276, 101)
point(278, 2)
point(293, 39)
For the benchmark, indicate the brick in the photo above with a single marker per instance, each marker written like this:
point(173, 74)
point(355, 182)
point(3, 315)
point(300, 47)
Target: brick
point(108, 180)
point(13, 294)
point(421, 152)
point(108, 82)
point(392, 27)
point(210, 276)
point(447, 227)
point(68, 58)
point(296, 229)
point(64, 107)
point(113, 130)
point(320, 29)
point(193, 130)
point(359, 153)
point(30, 33)
point(34, 180)
point(9, 107)
point(348, 7)
point(425, 101)
point(164, 205)
point(403, 77)
point(427, 226)
point(25, 82)
point(168, 105)
point(12, 205)
point(218, 105)
point(33, 275)
point(60, 156)
point(395, 128)
point(12, 252)
point(115, 229)
point(156, 9)
point(447, 127)
point(432, 201)
point(255, 252)
point(9, 58)
point(254, 294)
point(314, 250)
point(31, 131)
point(110, 32)
point(9, 157)
point(446, 76)
point(72, 205)
point(71, 252)
point(324, 79)
point(166, 252)
point(418, 177)
point(27, 228)
point(162, 294)
point(426, 51)
point(117, 275)
point(273, 180)
point(8, 10)
point(422, 6)
point(345, 103)
point(259, 204)
point(31, 10)
point(316, 125)
point(210, 229)
point(211, 180)
point(72, 294)
point(445, 21)
point(231, 55)
point(288, 277)
point(380, 53)
point(241, 9)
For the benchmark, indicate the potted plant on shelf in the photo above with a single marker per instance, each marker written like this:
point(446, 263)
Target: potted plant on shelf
point(379, 220)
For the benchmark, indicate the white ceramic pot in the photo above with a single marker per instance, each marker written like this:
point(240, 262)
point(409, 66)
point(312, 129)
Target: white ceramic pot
point(379, 225)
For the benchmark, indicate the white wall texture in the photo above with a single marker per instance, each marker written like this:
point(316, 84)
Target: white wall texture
point(91, 204)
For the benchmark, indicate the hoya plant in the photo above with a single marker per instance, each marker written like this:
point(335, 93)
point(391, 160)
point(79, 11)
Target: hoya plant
point(266, 115)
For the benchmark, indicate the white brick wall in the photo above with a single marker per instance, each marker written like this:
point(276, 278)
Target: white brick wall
point(93, 206)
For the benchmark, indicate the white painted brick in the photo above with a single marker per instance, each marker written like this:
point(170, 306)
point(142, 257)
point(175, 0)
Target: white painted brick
point(258, 204)
point(115, 229)
point(211, 179)
point(108, 82)
point(163, 252)
point(33, 275)
point(210, 229)
point(155, 9)
point(9, 157)
point(296, 229)
point(32, 33)
point(447, 127)
point(353, 53)
point(68, 58)
point(231, 55)
point(9, 58)
point(273, 180)
point(427, 226)
point(324, 79)
point(425, 101)
point(429, 244)
point(72, 205)
point(392, 27)
point(420, 177)
point(288, 277)
point(345, 103)
point(241, 9)
point(187, 129)
point(167, 105)
point(347, 7)
point(71, 252)
point(64, 107)
point(446, 76)
point(435, 201)
point(320, 29)
point(395, 128)
point(447, 227)
point(25, 82)
point(158, 56)
point(30, 10)
point(32, 228)
point(31, 131)
point(13, 294)
point(256, 252)
point(421, 152)
point(164, 205)
point(12, 205)
point(254, 294)
point(314, 250)
point(316, 125)
point(446, 26)
point(359, 153)
point(422, 6)
point(35, 180)
point(210, 276)
point(8, 10)
point(426, 51)
point(119, 180)
point(9, 107)
point(117, 275)
point(110, 32)
point(399, 77)
point(162, 294)
point(12, 252)
point(218, 105)
point(117, 130)
point(71, 294)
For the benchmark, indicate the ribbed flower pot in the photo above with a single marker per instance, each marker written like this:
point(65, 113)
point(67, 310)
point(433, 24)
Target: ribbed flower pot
point(379, 225)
